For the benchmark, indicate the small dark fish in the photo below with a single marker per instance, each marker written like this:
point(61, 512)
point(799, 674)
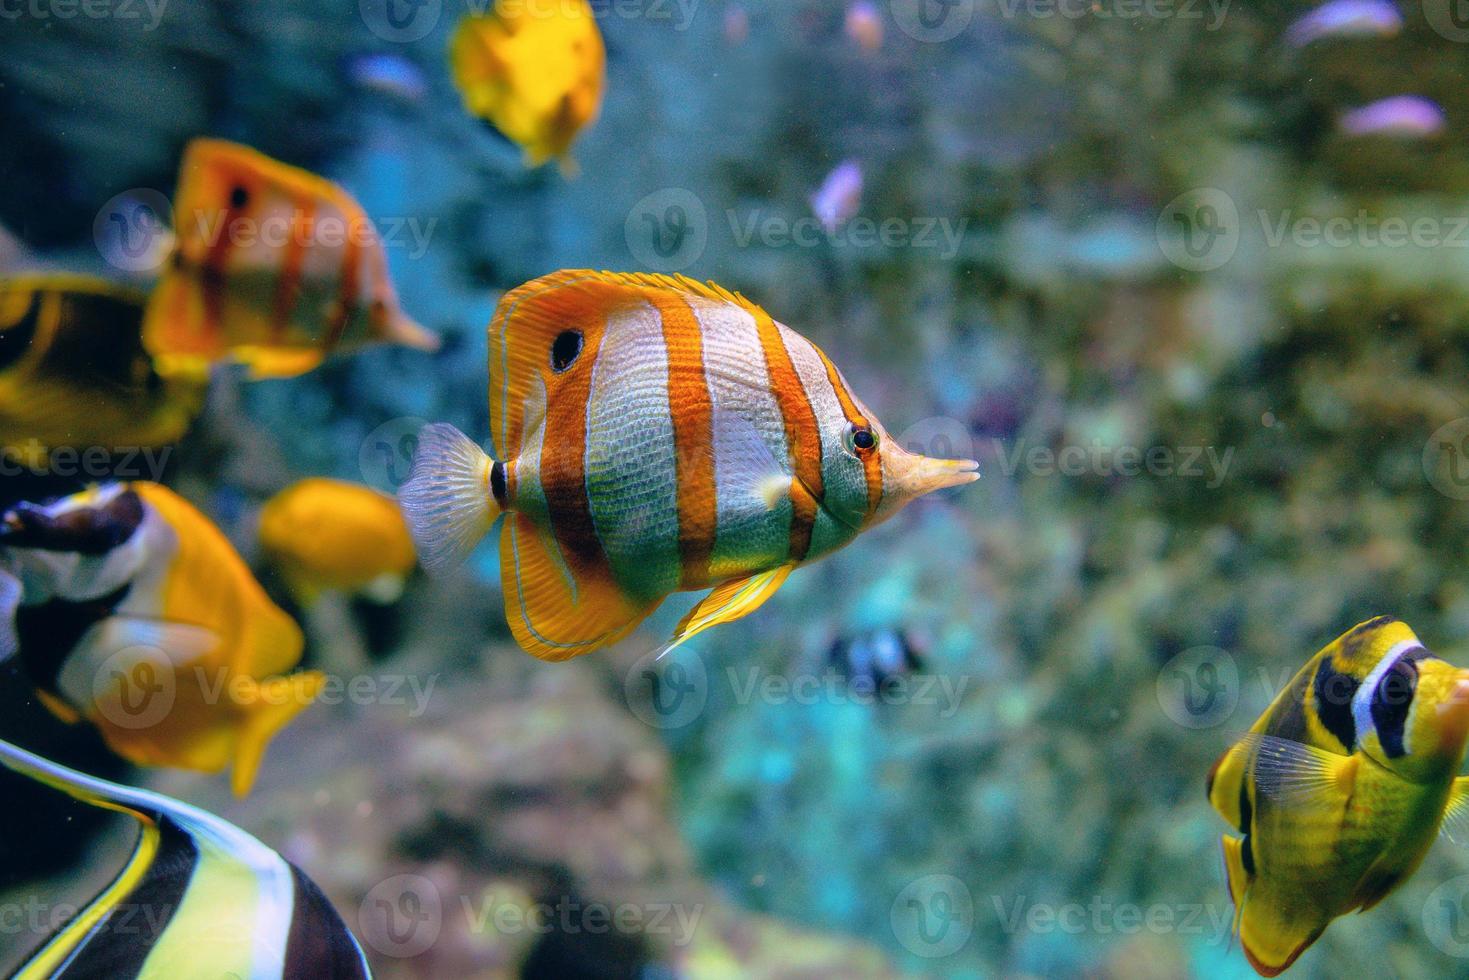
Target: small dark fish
point(877, 656)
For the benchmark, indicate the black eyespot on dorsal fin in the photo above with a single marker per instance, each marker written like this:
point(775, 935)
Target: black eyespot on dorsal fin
point(1333, 693)
point(565, 349)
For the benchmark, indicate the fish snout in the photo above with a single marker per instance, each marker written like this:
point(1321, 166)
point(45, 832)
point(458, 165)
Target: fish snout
point(1453, 716)
point(919, 475)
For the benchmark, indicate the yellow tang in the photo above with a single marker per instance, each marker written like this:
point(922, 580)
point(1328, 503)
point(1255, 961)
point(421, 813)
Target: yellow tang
point(272, 266)
point(331, 535)
point(654, 434)
point(135, 613)
point(535, 70)
point(73, 372)
point(1340, 787)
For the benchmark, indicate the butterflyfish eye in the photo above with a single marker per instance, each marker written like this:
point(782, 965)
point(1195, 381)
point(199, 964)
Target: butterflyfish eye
point(565, 349)
point(861, 439)
point(238, 197)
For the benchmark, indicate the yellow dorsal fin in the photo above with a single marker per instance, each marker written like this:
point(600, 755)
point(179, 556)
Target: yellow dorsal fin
point(559, 609)
point(733, 600)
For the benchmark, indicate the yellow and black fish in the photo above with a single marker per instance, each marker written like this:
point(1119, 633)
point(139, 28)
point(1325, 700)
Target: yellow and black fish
point(74, 373)
point(654, 435)
point(328, 535)
point(197, 897)
point(132, 611)
point(535, 69)
point(1340, 787)
point(272, 266)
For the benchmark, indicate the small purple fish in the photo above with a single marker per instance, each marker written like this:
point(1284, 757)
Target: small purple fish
point(736, 24)
point(839, 196)
point(1401, 116)
point(1345, 18)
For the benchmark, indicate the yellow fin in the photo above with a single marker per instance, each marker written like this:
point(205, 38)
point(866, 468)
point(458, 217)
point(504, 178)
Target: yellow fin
point(556, 609)
point(268, 362)
point(732, 600)
point(58, 707)
point(1293, 774)
point(276, 702)
point(1455, 824)
point(1235, 874)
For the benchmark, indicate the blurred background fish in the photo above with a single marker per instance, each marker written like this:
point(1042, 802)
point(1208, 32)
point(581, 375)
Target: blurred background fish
point(137, 615)
point(533, 69)
point(864, 25)
point(839, 196)
point(1345, 18)
point(73, 371)
point(1399, 117)
point(273, 266)
point(324, 535)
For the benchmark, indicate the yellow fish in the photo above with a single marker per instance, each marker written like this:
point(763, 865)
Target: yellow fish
point(196, 897)
point(535, 69)
point(655, 434)
point(73, 371)
point(135, 613)
point(272, 266)
point(1340, 787)
point(326, 535)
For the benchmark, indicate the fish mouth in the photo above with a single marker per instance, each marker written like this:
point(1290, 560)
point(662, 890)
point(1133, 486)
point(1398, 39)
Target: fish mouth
point(926, 474)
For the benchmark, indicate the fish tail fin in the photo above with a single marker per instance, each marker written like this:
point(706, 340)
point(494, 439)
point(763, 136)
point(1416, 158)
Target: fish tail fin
point(447, 500)
point(277, 701)
point(408, 332)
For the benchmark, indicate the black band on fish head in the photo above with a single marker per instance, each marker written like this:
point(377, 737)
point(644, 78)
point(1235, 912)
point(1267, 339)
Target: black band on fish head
point(1334, 692)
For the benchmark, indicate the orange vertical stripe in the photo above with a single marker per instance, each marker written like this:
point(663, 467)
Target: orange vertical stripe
point(563, 463)
point(803, 435)
point(693, 434)
point(346, 293)
point(288, 288)
point(871, 464)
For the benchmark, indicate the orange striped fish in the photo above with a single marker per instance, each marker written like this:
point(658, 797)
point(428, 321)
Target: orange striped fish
point(272, 266)
point(655, 435)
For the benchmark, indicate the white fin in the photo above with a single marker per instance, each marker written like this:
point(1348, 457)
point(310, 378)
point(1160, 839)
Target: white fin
point(745, 468)
point(9, 605)
point(1295, 774)
point(447, 500)
point(1455, 824)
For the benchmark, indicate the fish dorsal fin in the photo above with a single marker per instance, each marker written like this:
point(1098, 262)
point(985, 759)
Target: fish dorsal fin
point(559, 608)
point(572, 306)
point(1293, 774)
point(732, 600)
point(1455, 825)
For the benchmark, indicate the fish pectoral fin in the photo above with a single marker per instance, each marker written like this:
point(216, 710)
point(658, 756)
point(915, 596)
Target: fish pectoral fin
point(733, 600)
point(559, 608)
point(1455, 824)
point(750, 478)
point(275, 702)
point(1293, 774)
